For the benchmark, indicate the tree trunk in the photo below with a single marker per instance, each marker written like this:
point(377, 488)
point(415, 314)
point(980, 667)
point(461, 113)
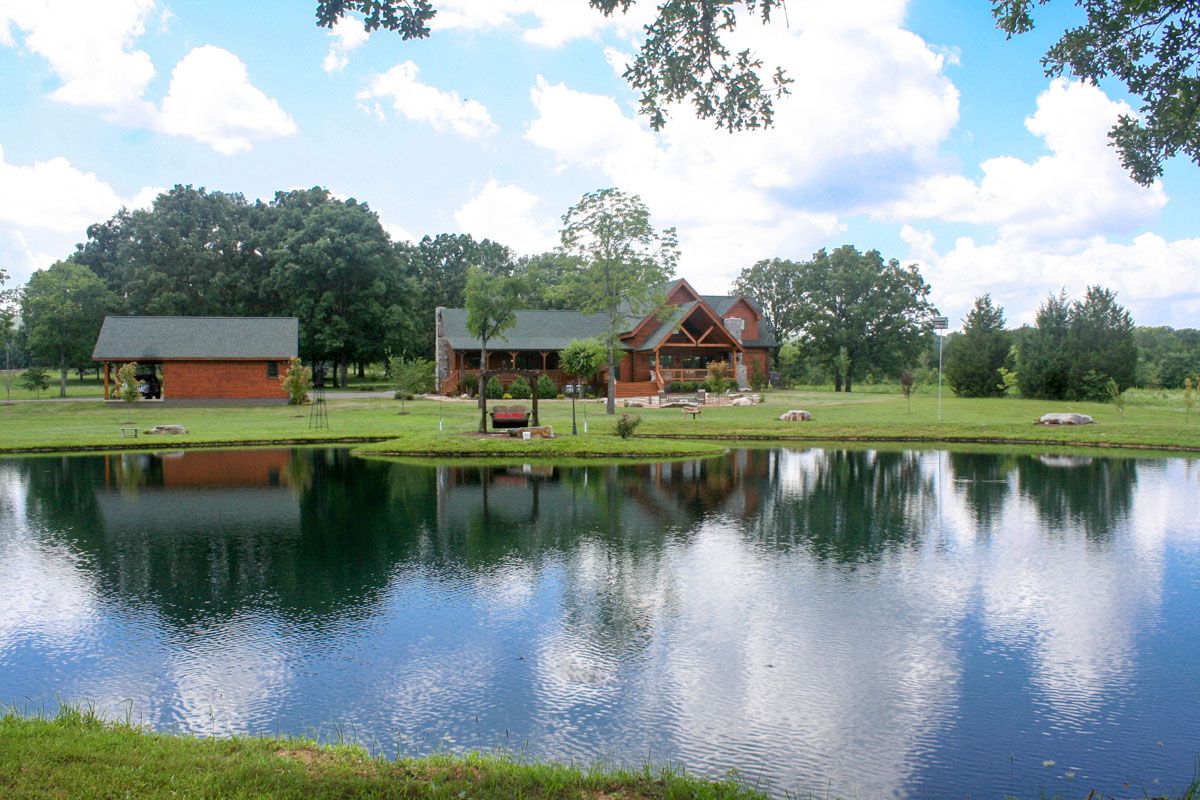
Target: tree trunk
point(611, 408)
point(62, 378)
point(849, 381)
point(837, 379)
point(360, 370)
point(483, 386)
point(345, 367)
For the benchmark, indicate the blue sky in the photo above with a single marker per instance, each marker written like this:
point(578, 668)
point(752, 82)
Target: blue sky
point(913, 127)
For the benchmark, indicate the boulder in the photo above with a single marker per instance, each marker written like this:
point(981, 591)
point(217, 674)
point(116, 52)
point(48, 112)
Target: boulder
point(172, 429)
point(742, 401)
point(635, 404)
point(539, 432)
point(1065, 419)
point(795, 415)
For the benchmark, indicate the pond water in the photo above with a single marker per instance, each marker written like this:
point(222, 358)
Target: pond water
point(845, 622)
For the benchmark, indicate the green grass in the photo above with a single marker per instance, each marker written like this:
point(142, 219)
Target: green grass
point(75, 755)
point(1153, 420)
point(76, 388)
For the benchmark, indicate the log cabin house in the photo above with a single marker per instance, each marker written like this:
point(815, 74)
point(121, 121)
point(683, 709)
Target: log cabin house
point(676, 344)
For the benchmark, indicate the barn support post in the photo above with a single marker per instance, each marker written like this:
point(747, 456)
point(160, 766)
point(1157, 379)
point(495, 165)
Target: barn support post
point(534, 374)
point(105, 380)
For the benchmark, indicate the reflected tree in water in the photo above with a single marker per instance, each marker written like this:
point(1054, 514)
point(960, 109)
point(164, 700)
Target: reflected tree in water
point(1094, 493)
point(982, 480)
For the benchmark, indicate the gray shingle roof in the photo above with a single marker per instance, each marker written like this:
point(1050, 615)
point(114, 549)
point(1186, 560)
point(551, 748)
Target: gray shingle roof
point(156, 338)
point(535, 330)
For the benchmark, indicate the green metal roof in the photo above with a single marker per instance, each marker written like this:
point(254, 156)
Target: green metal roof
point(159, 338)
point(534, 330)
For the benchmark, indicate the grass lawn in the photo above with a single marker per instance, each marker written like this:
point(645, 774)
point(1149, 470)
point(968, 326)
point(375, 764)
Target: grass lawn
point(75, 755)
point(1151, 420)
point(90, 386)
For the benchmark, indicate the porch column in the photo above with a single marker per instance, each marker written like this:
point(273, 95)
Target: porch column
point(544, 355)
point(105, 380)
point(513, 353)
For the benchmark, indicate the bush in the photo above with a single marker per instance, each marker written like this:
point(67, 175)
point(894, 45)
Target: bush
point(519, 389)
point(681, 387)
point(469, 383)
point(627, 424)
point(546, 386)
point(296, 381)
point(1094, 387)
point(36, 380)
point(494, 389)
point(717, 382)
point(758, 377)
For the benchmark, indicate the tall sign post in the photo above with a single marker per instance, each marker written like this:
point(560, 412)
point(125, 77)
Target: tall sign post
point(940, 324)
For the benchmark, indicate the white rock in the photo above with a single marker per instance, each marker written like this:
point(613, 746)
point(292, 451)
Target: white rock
point(176, 429)
point(1065, 419)
point(795, 415)
point(742, 401)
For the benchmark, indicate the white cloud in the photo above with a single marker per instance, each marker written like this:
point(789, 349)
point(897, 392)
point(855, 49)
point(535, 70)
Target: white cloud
point(1155, 278)
point(89, 47)
point(508, 214)
point(348, 34)
point(212, 100)
point(737, 198)
point(1080, 189)
point(423, 103)
point(548, 23)
point(46, 206)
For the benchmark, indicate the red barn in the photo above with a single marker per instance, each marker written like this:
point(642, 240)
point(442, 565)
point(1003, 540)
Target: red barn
point(200, 358)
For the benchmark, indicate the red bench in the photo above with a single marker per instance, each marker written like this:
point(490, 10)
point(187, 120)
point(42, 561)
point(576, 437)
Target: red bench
point(510, 417)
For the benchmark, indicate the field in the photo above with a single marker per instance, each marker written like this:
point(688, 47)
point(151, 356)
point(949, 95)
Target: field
point(1154, 420)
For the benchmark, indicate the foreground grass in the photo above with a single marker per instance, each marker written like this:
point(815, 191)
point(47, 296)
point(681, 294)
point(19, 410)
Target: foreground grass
point(443, 428)
point(76, 755)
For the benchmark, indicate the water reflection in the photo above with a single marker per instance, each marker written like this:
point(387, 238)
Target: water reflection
point(866, 621)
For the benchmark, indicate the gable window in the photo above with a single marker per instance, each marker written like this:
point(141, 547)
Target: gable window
point(272, 369)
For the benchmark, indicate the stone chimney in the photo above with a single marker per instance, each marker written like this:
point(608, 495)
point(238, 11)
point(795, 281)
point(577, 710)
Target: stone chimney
point(736, 326)
point(441, 349)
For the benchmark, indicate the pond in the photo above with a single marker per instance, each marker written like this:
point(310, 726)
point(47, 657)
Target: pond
point(835, 621)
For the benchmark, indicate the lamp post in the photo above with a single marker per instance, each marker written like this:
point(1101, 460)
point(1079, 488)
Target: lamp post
point(940, 324)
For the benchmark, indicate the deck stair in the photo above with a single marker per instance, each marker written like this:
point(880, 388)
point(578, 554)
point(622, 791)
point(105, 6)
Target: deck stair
point(637, 388)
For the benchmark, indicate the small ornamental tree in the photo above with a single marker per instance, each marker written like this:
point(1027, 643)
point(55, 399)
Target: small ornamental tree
point(491, 302)
point(1116, 396)
point(296, 381)
point(35, 380)
point(410, 376)
point(127, 385)
point(1189, 396)
point(582, 358)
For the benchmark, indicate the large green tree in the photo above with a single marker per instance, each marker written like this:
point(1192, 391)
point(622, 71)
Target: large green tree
point(861, 314)
point(332, 266)
point(621, 261)
point(974, 359)
point(1153, 48)
point(1042, 361)
point(771, 283)
point(1100, 345)
point(62, 309)
point(491, 302)
point(439, 267)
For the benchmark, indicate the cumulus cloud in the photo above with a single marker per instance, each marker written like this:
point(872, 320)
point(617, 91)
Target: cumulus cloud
point(1077, 190)
point(89, 46)
point(46, 206)
point(212, 100)
point(1154, 277)
point(420, 102)
point(508, 214)
point(348, 34)
point(548, 23)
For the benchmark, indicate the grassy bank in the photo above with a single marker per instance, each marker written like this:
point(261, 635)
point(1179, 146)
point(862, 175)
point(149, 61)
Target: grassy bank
point(444, 428)
point(76, 755)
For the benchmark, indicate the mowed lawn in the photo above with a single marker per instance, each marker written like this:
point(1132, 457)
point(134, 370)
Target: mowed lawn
point(443, 428)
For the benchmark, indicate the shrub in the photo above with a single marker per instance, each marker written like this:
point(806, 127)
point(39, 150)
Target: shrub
point(494, 389)
point(296, 381)
point(1094, 387)
point(507, 396)
point(681, 387)
point(758, 377)
point(469, 383)
point(717, 382)
point(519, 389)
point(627, 424)
point(546, 386)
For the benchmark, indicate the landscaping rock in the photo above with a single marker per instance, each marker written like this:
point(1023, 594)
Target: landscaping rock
point(635, 404)
point(795, 415)
point(172, 429)
point(540, 432)
point(742, 401)
point(1065, 419)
